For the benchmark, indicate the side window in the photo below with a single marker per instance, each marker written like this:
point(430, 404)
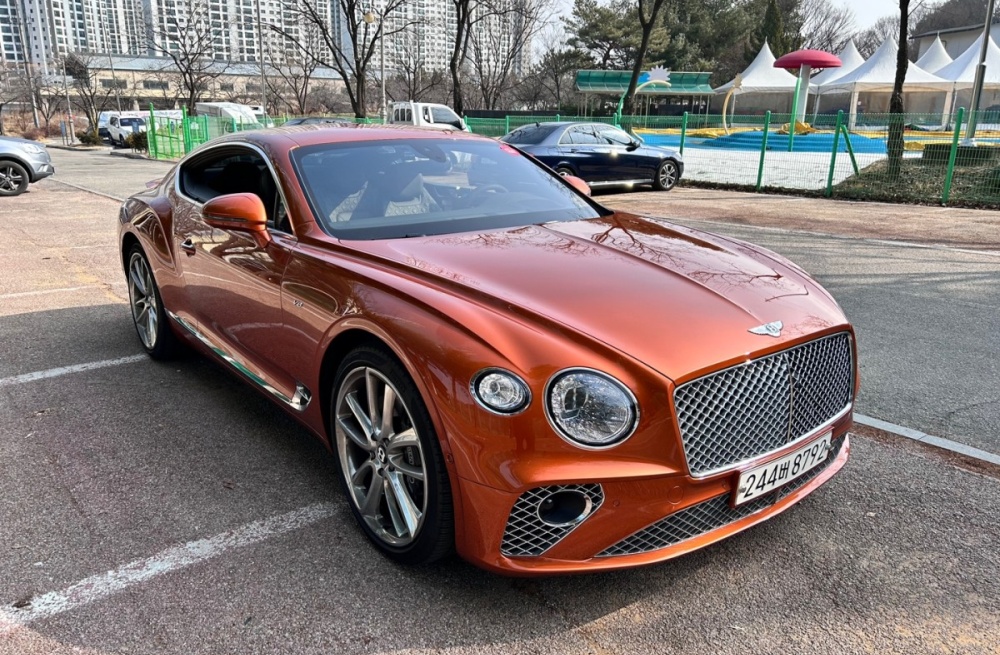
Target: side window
point(582, 136)
point(409, 115)
point(235, 170)
point(113, 120)
point(427, 115)
point(614, 136)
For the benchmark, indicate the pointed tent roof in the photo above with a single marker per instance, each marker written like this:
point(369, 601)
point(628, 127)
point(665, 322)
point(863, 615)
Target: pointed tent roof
point(850, 59)
point(761, 76)
point(935, 58)
point(962, 71)
point(879, 74)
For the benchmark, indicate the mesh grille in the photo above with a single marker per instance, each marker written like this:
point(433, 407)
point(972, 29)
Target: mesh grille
point(708, 515)
point(753, 409)
point(526, 535)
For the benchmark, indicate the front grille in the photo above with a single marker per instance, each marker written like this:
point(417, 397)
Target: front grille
point(752, 409)
point(709, 515)
point(526, 535)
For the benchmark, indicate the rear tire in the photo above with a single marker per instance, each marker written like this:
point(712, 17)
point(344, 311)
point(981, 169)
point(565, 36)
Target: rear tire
point(390, 461)
point(565, 170)
point(14, 178)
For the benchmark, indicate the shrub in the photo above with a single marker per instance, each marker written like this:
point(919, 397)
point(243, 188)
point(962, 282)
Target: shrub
point(138, 141)
point(32, 133)
point(88, 138)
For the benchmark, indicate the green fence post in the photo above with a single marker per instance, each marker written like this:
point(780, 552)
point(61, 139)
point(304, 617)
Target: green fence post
point(684, 129)
point(506, 124)
point(850, 149)
point(186, 130)
point(949, 176)
point(763, 149)
point(151, 133)
point(833, 156)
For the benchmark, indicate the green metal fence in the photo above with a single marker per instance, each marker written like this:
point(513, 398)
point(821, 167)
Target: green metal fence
point(835, 155)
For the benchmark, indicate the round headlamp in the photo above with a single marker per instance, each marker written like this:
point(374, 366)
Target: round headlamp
point(500, 391)
point(590, 408)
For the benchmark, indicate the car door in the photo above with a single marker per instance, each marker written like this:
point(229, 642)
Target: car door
point(233, 278)
point(629, 163)
point(590, 155)
point(113, 129)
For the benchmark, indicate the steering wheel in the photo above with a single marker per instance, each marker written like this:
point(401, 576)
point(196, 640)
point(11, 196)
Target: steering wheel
point(480, 194)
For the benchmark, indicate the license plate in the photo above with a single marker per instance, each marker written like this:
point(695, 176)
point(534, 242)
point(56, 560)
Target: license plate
point(763, 479)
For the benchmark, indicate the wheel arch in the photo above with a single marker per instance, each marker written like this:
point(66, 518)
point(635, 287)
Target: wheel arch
point(21, 162)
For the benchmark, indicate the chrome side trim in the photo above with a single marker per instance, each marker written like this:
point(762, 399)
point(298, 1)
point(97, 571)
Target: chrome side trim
point(619, 182)
point(299, 400)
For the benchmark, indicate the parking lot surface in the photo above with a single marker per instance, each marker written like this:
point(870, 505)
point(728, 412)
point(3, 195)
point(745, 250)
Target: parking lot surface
point(167, 508)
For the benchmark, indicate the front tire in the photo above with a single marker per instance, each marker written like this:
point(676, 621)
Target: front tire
point(14, 178)
point(148, 315)
point(565, 170)
point(390, 460)
point(666, 176)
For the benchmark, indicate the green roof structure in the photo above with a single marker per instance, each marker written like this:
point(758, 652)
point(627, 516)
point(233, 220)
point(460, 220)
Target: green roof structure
point(616, 83)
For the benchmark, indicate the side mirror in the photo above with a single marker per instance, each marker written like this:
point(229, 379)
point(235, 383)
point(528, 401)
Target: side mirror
point(578, 184)
point(243, 212)
point(634, 145)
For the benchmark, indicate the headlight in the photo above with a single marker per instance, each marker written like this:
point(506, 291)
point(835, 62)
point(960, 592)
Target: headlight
point(590, 408)
point(32, 148)
point(500, 391)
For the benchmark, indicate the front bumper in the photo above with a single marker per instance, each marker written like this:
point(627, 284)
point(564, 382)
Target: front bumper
point(40, 166)
point(638, 521)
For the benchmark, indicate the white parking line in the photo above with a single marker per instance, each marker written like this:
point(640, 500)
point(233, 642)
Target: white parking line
point(66, 370)
point(24, 294)
point(106, 584)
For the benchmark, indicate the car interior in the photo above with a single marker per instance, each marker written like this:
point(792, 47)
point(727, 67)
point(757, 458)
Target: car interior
point(236, 172)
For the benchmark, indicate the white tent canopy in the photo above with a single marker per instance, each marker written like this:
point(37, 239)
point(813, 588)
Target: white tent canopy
point(879, 74)
point(850, 59)
point(762, 77)
point(962, 71)
point(935, 58)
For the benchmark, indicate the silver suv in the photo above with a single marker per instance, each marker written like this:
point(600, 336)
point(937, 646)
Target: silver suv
point(21, 163)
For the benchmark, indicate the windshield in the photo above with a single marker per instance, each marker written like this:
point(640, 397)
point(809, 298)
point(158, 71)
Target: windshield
point(131, 122)
point(416, 187)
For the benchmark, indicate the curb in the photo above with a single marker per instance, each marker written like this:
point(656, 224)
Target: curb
point(931, 440)
point(59, 146)
point(129, 155)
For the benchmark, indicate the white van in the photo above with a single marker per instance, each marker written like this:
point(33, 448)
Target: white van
point(243, 115)
point(122, 124)
point(426, 114)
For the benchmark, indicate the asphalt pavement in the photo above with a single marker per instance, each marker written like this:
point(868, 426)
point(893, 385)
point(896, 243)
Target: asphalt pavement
point(168, 508)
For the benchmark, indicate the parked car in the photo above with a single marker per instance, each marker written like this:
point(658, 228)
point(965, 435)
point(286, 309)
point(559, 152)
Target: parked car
point(601, 154)
point(21, 163)
point(499, 364)
point(122, 125)
point(315, 120)
point(427, 115)
point(102, 125)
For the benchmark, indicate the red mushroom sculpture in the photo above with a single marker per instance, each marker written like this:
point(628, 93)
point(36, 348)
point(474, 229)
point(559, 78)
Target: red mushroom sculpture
point(805, 61)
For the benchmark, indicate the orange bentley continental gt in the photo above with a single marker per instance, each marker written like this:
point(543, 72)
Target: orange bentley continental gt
point(501, 366)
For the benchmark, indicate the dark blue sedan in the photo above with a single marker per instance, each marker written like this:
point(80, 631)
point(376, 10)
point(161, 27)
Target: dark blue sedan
point(601, 154)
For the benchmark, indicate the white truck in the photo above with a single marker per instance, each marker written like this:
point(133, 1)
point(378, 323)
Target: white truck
point(426, 114)
point(242, 115)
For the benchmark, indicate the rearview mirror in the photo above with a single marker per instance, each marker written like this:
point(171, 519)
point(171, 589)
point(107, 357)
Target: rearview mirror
point(578, 184)
point(243, 212)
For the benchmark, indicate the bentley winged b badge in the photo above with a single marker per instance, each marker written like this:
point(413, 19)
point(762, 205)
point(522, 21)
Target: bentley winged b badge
point(772, 329)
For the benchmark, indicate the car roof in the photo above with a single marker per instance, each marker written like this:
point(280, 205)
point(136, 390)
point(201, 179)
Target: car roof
point(316, 134)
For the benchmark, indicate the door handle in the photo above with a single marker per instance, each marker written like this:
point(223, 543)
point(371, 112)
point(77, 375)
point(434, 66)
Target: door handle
point(187, 245)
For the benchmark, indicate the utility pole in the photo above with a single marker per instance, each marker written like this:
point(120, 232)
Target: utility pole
point(977, 85)
point(260, 54)
point(26, 56)
point(69, 106)
point(114, 81)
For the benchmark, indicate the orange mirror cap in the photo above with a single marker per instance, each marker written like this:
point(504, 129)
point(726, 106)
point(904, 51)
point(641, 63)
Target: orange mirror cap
point(578, 184)
point(236, 211)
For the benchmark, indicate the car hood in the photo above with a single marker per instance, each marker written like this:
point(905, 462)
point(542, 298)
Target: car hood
point(16, 140)
point(679, 300)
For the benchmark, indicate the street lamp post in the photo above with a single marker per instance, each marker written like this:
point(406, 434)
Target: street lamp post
point(370, 18)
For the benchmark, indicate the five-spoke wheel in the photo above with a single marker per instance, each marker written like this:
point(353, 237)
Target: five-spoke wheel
point(666, 176)
point(390, 460)
point(13, 178)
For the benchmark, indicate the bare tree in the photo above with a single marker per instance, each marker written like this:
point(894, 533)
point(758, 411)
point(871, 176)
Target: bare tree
point(870, 39)
point(166, 86)
point(647, 11)
point(48, 97)
point(413, 79)
point(897, 119)
point(295, 66)
point(92, 97)
point(187, 36)
point(350, 56)
point(12, 88)
point(500, 44)
point(825, 25)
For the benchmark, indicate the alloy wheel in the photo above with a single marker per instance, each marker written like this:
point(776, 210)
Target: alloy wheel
point(381, 457)
point(667, 175)
point(142, 293)
point(11, 179)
